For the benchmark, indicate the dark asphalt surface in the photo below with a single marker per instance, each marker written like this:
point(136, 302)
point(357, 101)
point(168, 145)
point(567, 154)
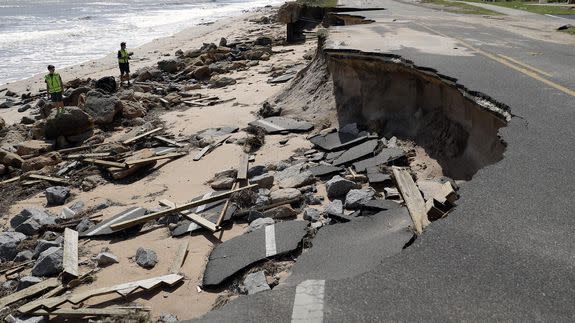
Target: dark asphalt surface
point(507, 252)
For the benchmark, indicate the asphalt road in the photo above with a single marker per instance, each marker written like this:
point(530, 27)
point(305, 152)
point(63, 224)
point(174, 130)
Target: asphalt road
point(507, 252)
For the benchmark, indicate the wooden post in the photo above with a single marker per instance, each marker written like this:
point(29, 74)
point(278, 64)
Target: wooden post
point(412, 197)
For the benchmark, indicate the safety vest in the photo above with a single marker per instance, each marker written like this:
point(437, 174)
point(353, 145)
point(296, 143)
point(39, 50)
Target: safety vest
point(124, 56)
point(53, 81)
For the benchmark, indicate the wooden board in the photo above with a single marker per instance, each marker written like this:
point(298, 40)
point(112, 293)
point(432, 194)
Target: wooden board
point(30, 291)
point(201, 221)
point(179, 259)
point(146, 160)
point(75, 149)
point(75, 298)
point(168, 141)
point(90, 155)
point(156, 215)
point(243, 169)
point(13, 179)
point(68, 312)
point(70, 259)
point(412, 197)
point(209, 148)
point(225, 208)
point(142, 135)
point(48, 178)
point(105, 163)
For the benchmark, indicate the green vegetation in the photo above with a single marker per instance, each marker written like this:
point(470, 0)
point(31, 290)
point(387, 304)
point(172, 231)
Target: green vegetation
point(570, 30)
point(531, 6)
point(458, 7)
point(319, 3)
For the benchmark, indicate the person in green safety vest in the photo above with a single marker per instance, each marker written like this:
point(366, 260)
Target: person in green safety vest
point(55, 87)
point(124, 62)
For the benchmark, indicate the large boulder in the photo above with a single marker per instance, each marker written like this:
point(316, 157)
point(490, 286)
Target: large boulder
point(71, 121)
point(107, 84)
point(37, 163)
point(49, 263)
point(169, 65)
point(30, 220)
point(9, 242)
point(10, 159)
point(102, 107)
point(73, 98)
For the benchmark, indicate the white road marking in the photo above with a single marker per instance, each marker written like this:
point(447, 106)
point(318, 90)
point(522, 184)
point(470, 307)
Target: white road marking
point(107, 225)
point(553, 16)
point(308, 302)
point(271, 241)
point(271, 125)
point(203, 206)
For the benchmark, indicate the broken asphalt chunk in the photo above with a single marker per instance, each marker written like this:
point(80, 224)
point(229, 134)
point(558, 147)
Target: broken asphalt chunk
point(240, 252)
point(386, 156)
point(357, 152)
point(280, 124)
point(104, 227)
point(323, 170)
point(255, 283)
point(337, 140)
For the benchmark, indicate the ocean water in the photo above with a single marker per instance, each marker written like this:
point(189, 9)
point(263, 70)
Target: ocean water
point(35, 33)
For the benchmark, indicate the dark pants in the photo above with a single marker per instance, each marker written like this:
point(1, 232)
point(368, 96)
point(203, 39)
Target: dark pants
point(56, 97)
point(124, 68)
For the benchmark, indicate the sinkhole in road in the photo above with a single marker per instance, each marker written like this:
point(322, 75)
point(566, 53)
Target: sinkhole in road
point(455, 126)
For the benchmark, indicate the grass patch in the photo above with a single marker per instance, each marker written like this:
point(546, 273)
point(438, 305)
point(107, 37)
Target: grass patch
point(531, 6)
point(570, 30)
point(319, 3)
point(458, 7)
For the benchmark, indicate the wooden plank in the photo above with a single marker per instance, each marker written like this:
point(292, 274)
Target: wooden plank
point(28, 183)
point(80, 148)
point(146, 160)
point(225, 208)
point(164, 101)
point(168, 141)
point(8, 271)
point(209, 148)
point(167, 203)
point(243, 168)
point(105, 163)
point(142, 135)
point(50, 303)
point(30, 291)
point(13, 179)
point(179, 259)
point(200, 104)
point(70, 259)
point(89, 155)
point(48, 178)
point(201, 221)
point(81, 312)
point(412, 197)
point(156, 215)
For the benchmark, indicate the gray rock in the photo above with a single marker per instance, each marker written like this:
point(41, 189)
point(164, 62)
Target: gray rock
point(285, 194)
point(254, 215)
point(391, 193)
point(222, 82)
point(297, 180)
point(222, 183)
point(49, 263)
point(77, 206)
point(9, 242)
point(255, 283)
point(280, 212)
point(263, 181)
point(57, 195)
point(107, 84)
point(43, 245)
point(334, 207)
point(10, 285)
point(167, 318)
point(311, 214)
point(24, 319)
point(355, 198)
point(281, 165)
point(28, 281)
point(101, 107)
point(350, 128)
point(146, 258)
point(85, 225)
point(30, 213)
point(71, 121)
point(168, 65)
point(339, 187)
point(6, 103)
point(106, 258)
point(50, 235)
point(259, 223)
point(29, 227)
point(311, 199)
point(257, 171)
point(24, 255)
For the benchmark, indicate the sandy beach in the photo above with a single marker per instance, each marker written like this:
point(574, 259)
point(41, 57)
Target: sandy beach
point(181, 179)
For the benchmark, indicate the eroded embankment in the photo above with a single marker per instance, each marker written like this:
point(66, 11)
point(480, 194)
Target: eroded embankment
point(393, 97)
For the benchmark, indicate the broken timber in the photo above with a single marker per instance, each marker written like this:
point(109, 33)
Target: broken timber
point(70, 259)
point(122, 289)
point(209, 148)
point(146, 160)
point(192, 216)
point(243, 170)
point(179, 259)
point(105, 163)
point(90, 155)
point(412, 197)
point(169, 141)
point(225, 208)
point(153, 216)
point(48, 178)
point(30, 291)
point(13, 179)
point(81, 312)
point(142, 135)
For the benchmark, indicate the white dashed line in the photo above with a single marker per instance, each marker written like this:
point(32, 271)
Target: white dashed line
point(308, 302)
point(271, 241)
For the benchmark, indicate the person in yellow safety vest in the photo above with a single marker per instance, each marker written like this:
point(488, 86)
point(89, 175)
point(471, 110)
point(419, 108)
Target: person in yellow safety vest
point(55, 87)
point(124, 62)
